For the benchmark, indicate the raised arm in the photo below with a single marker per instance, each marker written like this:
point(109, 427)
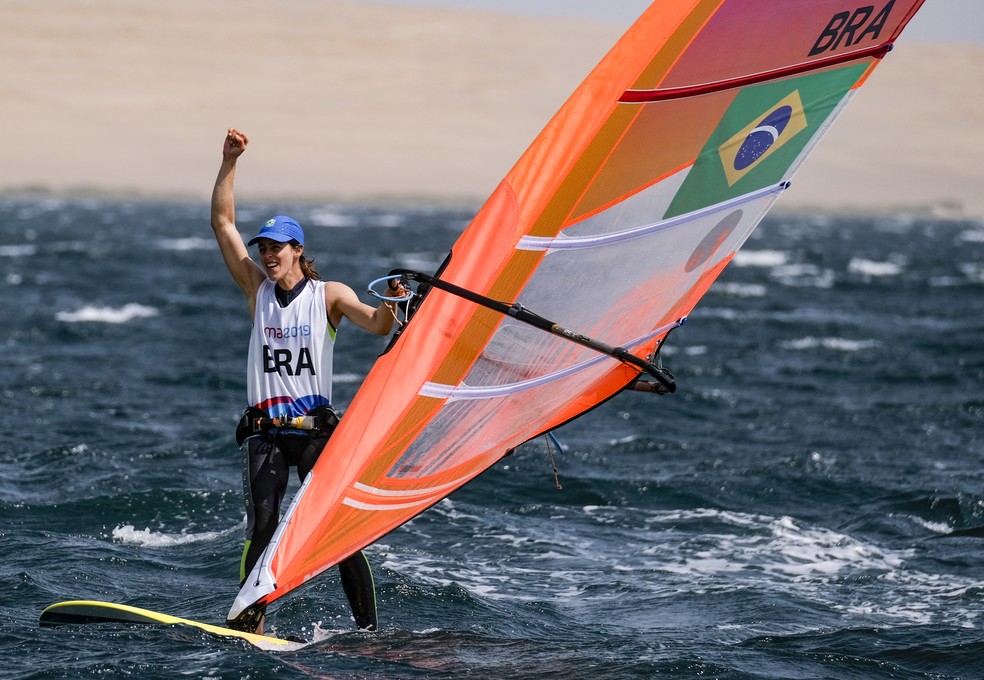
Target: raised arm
point(246, 273)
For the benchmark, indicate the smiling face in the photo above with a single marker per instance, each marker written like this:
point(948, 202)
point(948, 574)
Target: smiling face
point(281, 262)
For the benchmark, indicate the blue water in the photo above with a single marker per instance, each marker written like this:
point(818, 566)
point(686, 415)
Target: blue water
point(807, 505)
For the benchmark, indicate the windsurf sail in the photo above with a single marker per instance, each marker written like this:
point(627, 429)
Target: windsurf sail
point(613, 223)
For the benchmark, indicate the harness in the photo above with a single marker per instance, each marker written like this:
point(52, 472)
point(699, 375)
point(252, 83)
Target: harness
point(321, 420)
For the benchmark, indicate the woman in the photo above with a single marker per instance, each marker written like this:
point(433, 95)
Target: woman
point(295, 316)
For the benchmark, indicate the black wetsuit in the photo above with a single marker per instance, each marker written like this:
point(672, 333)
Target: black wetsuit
point(267, 458)
point(266, 462)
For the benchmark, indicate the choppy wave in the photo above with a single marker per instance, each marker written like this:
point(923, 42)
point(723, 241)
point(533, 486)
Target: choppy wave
point(327, 217)
point(187, 243)
point(859, 265)
point(764, 547)
point(154, 539)
point(113, 315)
point(972, 236)
point(760, 258)
point(838, 344)
point(973, 271)
point(347, 378)
point(22, 250)
point(807, 504)
point(741, 289)
point(702, 553)
point(804, 275)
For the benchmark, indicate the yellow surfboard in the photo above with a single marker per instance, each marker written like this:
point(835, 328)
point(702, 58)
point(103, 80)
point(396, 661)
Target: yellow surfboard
point(90, 611)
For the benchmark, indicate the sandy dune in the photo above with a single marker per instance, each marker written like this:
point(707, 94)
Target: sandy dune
point(355, 101)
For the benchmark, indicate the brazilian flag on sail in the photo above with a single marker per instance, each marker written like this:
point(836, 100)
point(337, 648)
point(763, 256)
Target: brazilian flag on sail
point(761, 135)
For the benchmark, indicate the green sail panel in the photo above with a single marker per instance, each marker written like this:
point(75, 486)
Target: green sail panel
point(761, 135)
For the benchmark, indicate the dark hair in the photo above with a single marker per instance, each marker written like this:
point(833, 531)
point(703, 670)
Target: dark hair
point(307, 267)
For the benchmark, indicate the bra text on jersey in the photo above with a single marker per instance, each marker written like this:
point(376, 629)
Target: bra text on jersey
point(276, 359)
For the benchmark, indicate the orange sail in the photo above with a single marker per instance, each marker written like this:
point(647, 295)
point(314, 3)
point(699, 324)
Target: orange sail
point(614, 223)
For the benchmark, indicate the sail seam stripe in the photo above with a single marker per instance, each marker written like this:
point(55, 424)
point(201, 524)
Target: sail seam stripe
point(430, 491)
point(539, 243)
point(464, 392)
point(359, 505)
point(429, 494)
point(665, 94)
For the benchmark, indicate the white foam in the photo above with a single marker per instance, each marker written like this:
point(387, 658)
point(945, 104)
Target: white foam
point(123, 314)
point(391, 220)
point(872, 268)
point(804, 275)
point(152, 539)
point(796, 270)
point(719, 313)
point(777, 547)
point(972, 236)
point(941, 528)
point(22, 250)
point(189, 243)
point(741, 289)
point(700, 551)
point(628, 439)
point(422, 261)
point(760, 258)
point(836, 344)
point(332, 218)
point(768, 552)
point(973, 271)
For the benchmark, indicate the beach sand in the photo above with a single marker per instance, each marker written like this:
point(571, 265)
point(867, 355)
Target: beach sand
point(363, 102)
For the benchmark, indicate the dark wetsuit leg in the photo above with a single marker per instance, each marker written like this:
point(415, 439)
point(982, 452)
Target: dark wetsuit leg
point(360, 590)
point(355, 572)
point(265, 475)
point(267, 461)
point(303, 451)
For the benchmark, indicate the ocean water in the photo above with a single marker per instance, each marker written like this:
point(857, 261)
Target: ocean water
point(809, 504)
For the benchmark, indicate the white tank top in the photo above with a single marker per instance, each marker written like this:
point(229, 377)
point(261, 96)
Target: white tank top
point(290, 352)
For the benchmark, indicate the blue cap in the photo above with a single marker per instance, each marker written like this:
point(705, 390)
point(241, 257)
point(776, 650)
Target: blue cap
point(280, 228)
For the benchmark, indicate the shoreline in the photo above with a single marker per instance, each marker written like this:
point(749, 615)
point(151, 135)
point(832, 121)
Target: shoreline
point(940, 211)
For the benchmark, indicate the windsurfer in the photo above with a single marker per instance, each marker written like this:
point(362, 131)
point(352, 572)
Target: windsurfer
point(295, 316)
